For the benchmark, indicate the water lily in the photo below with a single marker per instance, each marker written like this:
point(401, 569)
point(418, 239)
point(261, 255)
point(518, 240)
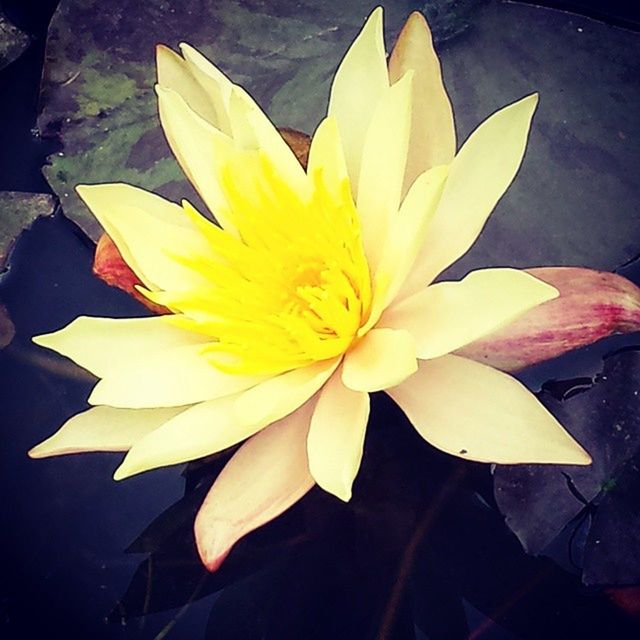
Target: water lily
point(314, 289)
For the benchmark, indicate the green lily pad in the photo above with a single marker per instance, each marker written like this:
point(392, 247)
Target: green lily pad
point(17, 212)
point(13, 42)
point(98, 95)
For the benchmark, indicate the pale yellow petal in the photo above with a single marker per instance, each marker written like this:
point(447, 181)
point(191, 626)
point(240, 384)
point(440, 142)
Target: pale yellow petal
point(175, 73)
point(404, 240)
point(103, 429)
point(103, 345)
point(267, 475)
point(327, 155)
point(336, 436)
point(381, 359)
point(200, 149)
point(360, 82)
point(449, 315)
point(475, 412)
point(383, 163)
point(282, 394)
point(168, 378)
point(253, 130)
point(479, 175)
point(145, 227)
point(203, 429)
point(433, 135)
point(215, 84)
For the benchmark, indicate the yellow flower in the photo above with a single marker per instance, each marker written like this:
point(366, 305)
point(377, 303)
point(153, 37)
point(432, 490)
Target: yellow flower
point(314, 291)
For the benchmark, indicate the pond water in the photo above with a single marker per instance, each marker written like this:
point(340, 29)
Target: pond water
point(422, 551)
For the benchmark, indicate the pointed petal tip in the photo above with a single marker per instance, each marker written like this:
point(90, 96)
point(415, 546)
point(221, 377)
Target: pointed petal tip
point(214, 541)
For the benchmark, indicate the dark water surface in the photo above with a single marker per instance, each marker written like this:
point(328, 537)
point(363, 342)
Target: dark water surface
point(421, 552)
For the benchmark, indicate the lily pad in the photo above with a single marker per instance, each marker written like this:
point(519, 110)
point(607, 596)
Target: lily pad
point(98, 97)
point(540, 501)
point(13, 41)
point(17, 212)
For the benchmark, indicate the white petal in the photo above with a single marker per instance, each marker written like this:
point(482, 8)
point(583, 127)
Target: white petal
point(282, 394)
point(200, 148)
point(103, 429)
point(381, 359)
point(384, 159)
point(103, 345)
point(145, 228)
point(475, 412)
point(449, 315)
point(360, 82)
point(267, 475)
point(199, 431)
point(169, 378)
point(433, 136)
point(404, 240)
point(336, 437)
point(175, 73)
point(215, 84)
point(479, 175)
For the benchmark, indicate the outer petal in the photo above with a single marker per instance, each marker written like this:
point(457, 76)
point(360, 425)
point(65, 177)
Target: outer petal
point(360, 82)
point(433, 135)
point(143, 225)
point(473, 411)
point(384, 158)
point(199, 431)
point(381, 359)
point(479, 176)
point(449, 315)
point(103, 429)
point(267, 475)
point(591, 306)
point(200, 148)
point(104, 345)
point(282, 394)
point(168, 378)
point(336, 437)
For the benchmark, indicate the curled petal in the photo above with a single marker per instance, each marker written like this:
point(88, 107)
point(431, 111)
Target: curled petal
point(109, 266)
point(592, 305)
point(267, 475)
point(479, 413)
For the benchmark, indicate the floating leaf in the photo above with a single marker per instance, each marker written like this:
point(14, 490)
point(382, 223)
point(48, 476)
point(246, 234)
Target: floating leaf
point(13, 41)
point(540, 501)
point(17, 212)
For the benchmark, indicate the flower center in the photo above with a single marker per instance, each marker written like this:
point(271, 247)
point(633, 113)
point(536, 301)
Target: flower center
point(291, 286)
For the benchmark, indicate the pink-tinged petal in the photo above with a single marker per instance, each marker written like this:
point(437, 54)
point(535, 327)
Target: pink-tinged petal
point(448, 315)
point(336, 436)
point(433, 134)
point(478, 413)
point(266, 476)
point(592, 305)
